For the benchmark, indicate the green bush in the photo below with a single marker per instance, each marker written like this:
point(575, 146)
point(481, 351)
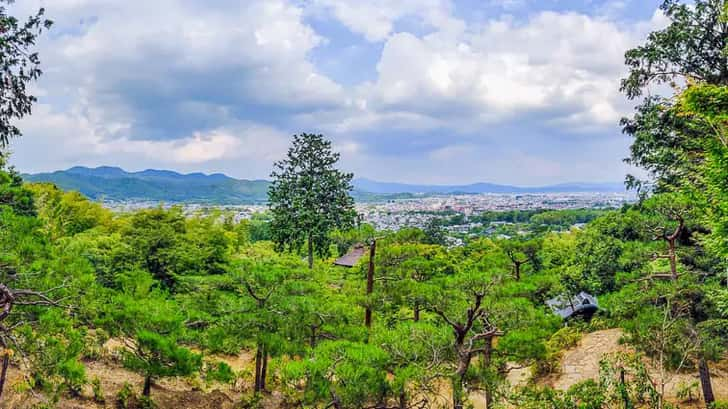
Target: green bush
point(73, 374)
point(125, 397)
point(687, 391)
point(565, 338)
point(219, 372)
point(97, 390)
point(585, 395)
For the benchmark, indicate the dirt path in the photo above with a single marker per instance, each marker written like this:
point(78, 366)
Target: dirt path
point(582, 362)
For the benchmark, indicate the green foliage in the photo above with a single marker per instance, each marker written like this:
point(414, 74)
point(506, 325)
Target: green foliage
point(126, 397)
point(219, 372)
point(13, 194)
point(352, 374)
point(157, 356)
point(687, 391)
point(309, 197)
point(97, 391)
point(561, 340)
point(20, 66)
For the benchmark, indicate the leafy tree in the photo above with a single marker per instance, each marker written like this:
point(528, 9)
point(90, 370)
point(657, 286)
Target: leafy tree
point(309, 197)
point(709, 104)
point(156, 237)
point(342, 374)
point(461, 305)
point(32, 278)
point(597, 260)
point(415, 352)
point(434, 233)
point(13, 194)
point(403, 271)
point(150, 325)
point(266, 287)
point(67, 213)
point(692, 47)
point(670, 214)
point(52, 350)
point(156, 356)
point(19, 65)
point(520, 252)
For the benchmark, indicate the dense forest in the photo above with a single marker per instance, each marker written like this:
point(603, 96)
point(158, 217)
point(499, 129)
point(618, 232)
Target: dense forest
point(154, 296)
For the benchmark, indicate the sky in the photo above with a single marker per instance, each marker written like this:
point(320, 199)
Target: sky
point(421, 91)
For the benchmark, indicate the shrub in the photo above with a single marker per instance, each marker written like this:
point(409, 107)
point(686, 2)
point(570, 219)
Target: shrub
point(73, 374)
point(562, 339)
point(97, 390)
point(687, 391)
point(219, 372)
point(125, 397)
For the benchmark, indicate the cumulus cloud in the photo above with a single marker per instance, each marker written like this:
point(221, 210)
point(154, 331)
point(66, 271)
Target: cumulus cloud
point(61, 139)
point(564, 66)
point(219, 85)
point(376, 19)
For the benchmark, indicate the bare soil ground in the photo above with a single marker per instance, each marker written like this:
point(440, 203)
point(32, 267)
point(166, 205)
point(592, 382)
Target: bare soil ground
point(582, 362)
point(577, 364)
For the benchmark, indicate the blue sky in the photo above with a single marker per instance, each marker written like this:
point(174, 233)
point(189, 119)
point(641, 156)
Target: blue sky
point(422, 91)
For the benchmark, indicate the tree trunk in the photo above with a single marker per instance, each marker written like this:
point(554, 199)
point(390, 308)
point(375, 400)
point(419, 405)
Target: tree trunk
point(457, 392)
point(402, 400)
point(517, 270)
point(370, 284)
point(147, 386)
point(623, 390)
point(310, 252)
point(487, 353)
point(3, 374)
point(312, 341)
point(258, 362)
point(705, 382)
point(335, 401)
point(673, 259)
point(264, 369)
point(416, 308)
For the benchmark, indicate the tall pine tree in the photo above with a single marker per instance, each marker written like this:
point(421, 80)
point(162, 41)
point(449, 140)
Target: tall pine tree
point(309, 197)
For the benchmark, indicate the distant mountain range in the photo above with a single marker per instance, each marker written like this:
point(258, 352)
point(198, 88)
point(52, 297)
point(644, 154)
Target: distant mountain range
point(115, 184)
point(390, 188)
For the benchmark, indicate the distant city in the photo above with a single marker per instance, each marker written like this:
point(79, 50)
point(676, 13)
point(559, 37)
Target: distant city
point(387, 206)
point(417, 212)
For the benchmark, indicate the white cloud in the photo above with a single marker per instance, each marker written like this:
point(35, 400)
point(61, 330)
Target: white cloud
point(189, 84)
point(70, 139)
point(564, 64)
point(376, 19)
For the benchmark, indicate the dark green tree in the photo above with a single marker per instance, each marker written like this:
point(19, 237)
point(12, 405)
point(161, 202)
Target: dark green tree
point(692, 47)
point(309, 197)
point(13, 194)
point(156, 356)
point(19, 65)
point(520, 252)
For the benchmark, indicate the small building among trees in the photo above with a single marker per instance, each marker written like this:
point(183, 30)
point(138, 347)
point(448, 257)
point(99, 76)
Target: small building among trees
point(581, 305)
point(352, 256)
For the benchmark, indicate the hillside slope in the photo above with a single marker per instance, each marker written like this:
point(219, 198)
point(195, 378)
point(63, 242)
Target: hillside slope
point(115, 184)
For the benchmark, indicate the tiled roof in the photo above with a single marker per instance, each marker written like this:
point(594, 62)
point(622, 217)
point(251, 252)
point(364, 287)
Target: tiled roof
point(352, 257)
point(582, 302)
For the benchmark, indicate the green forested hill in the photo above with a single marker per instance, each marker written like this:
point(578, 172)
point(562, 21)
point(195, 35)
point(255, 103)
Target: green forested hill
point(111, 183)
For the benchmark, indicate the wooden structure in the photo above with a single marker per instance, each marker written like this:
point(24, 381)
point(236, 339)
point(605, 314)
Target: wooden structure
point(582, 304)
point(352, 257)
